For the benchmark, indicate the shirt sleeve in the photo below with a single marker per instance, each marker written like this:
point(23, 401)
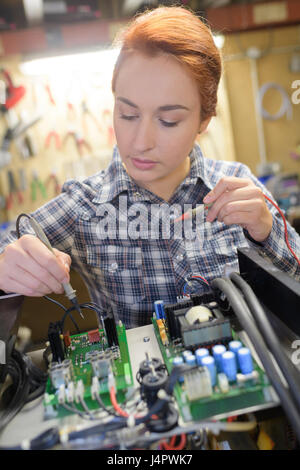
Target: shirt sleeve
point(275, 247)
point(57, 218)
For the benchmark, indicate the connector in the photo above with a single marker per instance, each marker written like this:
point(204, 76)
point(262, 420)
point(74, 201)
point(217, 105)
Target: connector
point(95, 387)
point(70, 392)
point(61, 394)
point(79, 391)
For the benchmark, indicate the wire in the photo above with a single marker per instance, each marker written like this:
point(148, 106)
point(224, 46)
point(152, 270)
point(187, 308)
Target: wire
point(171, 445)
point(195, 277)
point(285, 228)
point(242, 312)
point(268, 333)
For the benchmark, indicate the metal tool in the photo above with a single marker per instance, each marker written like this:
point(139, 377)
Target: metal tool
point(69, 291)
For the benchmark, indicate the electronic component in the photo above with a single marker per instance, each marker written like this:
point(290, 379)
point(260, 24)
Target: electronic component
point(209, 362)
point(197, 383)
point(229, 365)
point(197, 325)
point(94, 336)
point(245, 361)
point(55, 340)
point(151, 384)
point(218, 351)
point(200, 354)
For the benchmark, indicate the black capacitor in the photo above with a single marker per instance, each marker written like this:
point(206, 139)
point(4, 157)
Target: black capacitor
point(147, 365)
point(55, 341)
point(151, 384)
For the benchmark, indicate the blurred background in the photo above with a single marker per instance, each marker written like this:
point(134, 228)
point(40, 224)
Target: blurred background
point(56, 62)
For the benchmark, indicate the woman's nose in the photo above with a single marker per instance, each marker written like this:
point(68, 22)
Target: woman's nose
point(144, 138)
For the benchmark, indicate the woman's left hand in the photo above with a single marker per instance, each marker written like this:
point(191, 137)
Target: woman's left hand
point(239, 201)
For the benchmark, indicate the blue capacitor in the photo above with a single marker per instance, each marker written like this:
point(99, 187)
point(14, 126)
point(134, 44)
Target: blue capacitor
point(191, 360)
point(186, 354)
point(234, 346)
point(245, 361)
point(217, 351)
point(159, 309)
point(177, 361)
point(200, 354)
point(209, 362)
point(229, 365)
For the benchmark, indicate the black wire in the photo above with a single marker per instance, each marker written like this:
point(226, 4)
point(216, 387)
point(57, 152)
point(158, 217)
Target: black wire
point(242, 312)
point(266, 329)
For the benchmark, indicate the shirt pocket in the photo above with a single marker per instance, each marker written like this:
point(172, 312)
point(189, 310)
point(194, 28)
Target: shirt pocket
point(119, 271)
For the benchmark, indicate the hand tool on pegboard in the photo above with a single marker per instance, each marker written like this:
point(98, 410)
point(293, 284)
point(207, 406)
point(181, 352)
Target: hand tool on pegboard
point(53, 178)
point(13, 93)
point(52, 134)
point(13, 190)
point(86, 112)
point(12, 133)
point(37, 184)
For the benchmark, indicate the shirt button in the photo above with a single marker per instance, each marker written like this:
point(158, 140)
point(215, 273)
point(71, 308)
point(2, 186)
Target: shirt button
point(179, 257)
point(113, 267)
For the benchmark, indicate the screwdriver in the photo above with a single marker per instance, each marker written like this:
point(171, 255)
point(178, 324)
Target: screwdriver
point(69, 291)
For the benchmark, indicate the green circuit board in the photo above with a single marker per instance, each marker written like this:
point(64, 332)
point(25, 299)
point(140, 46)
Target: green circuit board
point(79, 352)
point(249, 395)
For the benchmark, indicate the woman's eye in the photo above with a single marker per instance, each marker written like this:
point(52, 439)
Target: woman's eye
point(128, 117)
point(169, 123)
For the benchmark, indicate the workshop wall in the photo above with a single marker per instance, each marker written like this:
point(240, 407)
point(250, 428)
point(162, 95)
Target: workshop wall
point(282, 135)
point(59, 102)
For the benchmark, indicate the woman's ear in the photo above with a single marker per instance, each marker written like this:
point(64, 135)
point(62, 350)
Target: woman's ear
point(204, 125)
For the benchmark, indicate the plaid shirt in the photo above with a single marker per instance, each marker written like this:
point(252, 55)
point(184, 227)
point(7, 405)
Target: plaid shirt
point(126, 275)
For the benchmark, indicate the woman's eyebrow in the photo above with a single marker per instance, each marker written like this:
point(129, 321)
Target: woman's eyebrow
point(166, 107)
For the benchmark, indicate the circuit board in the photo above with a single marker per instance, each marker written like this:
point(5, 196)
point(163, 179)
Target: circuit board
point(79, 355)
point(252, 394)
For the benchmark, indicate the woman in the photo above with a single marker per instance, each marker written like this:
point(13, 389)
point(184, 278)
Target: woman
point(165, 86)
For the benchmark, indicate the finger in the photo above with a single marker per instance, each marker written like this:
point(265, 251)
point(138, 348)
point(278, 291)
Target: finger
point(44, 257)
point(12, 285)
point(227, 183)
point(41, 278)
point(251, 209)
point(249, 194)
point(40, 284)
point(64, 258)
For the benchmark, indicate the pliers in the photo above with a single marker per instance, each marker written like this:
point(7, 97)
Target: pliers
point(79, 141)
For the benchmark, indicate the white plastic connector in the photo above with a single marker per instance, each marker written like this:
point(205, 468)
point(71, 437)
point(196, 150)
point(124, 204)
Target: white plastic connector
point(79, 391)
point(70, 392)
point(131, 421)
point(61, 394)
point(95, 387)
point(111, 380)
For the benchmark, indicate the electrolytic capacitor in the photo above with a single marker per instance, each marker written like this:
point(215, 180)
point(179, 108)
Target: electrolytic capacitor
point(245, 361)
point(191, 360)
point(229, 365)
point(209, 362)
point(234, 346)
point(177, 361)
point(218, 350)
point(185, 354)
point(200, 354)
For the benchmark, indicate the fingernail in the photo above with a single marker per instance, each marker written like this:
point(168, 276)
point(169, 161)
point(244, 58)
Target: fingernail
point(207, 198)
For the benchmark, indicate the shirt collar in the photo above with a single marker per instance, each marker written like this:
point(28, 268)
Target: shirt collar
point(116, 179)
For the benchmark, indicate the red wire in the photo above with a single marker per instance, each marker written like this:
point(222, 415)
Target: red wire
point(171, 444)
point(115, 404)
point(285, 228)
point(200, 277)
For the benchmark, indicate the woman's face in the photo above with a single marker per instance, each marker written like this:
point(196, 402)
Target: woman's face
point(156, 120)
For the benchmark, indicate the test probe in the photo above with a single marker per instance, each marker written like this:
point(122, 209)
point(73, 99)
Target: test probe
point(69, 291)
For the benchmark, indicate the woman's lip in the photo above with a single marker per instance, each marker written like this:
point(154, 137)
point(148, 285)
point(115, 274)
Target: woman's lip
point(143, 164)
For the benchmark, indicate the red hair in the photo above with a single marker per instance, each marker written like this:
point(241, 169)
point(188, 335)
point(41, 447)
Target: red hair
point(179, 32)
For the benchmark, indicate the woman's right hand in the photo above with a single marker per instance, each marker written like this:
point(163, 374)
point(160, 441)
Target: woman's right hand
point(29, 268)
